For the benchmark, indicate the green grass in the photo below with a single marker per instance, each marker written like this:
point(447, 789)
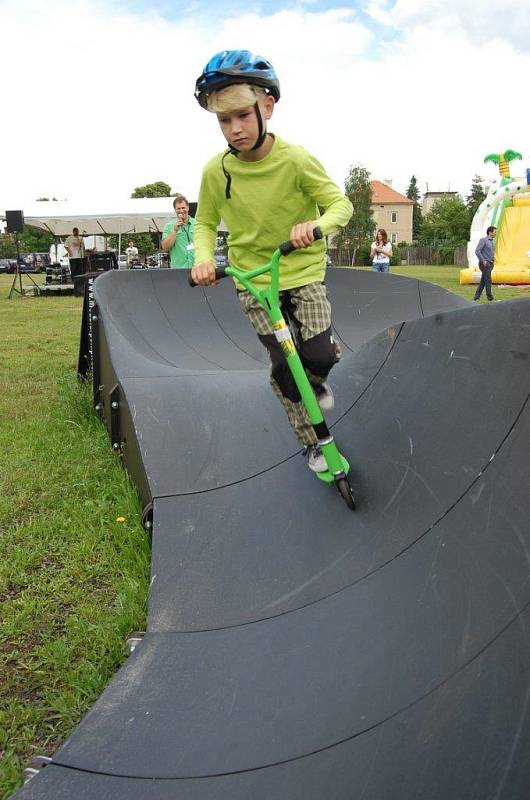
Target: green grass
point(448, 277)
point(73, 581)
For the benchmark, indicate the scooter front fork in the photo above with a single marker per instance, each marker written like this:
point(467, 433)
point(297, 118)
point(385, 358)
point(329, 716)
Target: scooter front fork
point(338, 467)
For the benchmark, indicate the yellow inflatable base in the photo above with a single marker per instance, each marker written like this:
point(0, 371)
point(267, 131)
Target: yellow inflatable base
point(513, 277)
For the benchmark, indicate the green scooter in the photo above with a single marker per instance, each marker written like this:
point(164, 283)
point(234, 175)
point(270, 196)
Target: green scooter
point(269, 298)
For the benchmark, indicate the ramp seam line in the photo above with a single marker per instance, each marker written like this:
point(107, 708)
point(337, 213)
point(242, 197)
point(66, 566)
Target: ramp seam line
point(147, 342)
point(298, 452)
point(193, 349)
point(339, 742)
point(420, 299)
point(241, 350)
point(386, 563)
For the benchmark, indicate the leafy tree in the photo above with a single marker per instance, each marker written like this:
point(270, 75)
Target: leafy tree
point(413, 193)
point(476, 196)
point(7, 246)
point(447, 223)
point(157, 189)
point(146, 243)
point(360, 228)
point(32, 240)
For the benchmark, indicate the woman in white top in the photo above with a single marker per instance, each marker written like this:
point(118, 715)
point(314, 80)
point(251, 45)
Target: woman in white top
point(381, 252)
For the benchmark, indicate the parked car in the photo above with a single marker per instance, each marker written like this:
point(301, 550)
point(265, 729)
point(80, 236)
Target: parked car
point(221, 259)
point(11, 266)
point(158, 260)
point(35, 262)
point(6, 264)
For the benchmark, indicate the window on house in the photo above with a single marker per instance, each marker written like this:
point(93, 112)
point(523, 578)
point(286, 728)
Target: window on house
point(393, 238)
point(393, 216)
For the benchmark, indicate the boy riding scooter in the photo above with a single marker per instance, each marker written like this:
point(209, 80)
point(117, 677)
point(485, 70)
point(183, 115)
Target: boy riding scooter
point(267, 190)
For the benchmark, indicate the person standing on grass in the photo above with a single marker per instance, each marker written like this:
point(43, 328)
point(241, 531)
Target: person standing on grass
point(381, 252)
point(131, 253)
point(267, 190)
point(75, 247)
point(486, 259)
point(177, 236)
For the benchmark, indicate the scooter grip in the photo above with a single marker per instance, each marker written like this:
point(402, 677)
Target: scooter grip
point(287, 247)
point(219, 275)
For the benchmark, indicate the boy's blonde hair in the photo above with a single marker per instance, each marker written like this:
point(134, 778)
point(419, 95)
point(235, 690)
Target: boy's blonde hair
point(234, 97)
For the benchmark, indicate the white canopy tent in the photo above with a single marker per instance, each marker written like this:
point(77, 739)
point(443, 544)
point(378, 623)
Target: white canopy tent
point(145, 215)
point(138, 215)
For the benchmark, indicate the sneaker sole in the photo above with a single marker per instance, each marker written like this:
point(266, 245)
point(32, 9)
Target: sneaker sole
point(317, 469)
point(327, 405)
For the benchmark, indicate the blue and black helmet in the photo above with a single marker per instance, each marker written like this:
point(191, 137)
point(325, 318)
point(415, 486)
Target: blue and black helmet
point(236, 66)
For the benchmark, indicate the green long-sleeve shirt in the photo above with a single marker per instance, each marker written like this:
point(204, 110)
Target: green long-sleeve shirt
point(181, 254)
point(267, 198)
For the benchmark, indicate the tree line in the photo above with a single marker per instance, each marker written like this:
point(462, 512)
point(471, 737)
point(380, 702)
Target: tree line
point(445, 227)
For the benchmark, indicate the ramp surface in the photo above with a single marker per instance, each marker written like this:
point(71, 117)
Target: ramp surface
point(296, 649)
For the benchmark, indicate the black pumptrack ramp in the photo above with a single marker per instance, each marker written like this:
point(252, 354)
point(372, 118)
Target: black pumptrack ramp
point(296, 650)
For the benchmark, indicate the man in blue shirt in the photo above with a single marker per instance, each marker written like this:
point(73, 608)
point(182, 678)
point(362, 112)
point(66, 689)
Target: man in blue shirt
point(485, 255)
point(177, 236)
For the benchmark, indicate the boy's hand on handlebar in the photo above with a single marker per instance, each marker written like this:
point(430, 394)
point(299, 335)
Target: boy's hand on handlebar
point(302, 234)
point(204, 274)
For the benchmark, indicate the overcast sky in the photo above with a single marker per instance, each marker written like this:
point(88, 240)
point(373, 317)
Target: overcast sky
point(97, 97)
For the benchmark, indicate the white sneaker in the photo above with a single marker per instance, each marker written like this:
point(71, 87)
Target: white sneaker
point(315, 459)
point(324, 395)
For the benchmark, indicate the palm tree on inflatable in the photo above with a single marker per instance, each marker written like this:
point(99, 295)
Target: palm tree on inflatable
point(503, 161)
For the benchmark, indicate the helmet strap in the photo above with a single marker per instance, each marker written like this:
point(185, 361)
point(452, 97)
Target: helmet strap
point(234, 152)
point(262, 135)
point(262, 132)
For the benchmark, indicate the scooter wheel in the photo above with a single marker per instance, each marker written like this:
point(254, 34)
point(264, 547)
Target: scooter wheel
point(345, 492)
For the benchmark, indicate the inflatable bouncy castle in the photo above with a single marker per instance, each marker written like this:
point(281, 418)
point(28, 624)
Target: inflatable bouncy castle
point(507, 207)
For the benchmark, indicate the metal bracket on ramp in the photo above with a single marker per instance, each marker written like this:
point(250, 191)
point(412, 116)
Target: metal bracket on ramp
point(133, 640)
point(115, 423)
point(34, 767)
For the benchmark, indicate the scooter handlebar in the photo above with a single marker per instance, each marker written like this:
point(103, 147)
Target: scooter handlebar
point(287, 247)
point(219, 275)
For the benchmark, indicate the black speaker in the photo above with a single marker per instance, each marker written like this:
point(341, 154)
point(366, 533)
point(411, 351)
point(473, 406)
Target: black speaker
point(14, 221)
point(102, 261)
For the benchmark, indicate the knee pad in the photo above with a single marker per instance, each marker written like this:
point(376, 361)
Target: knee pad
point(283, 377)
point(319, 353)
point(280, 371)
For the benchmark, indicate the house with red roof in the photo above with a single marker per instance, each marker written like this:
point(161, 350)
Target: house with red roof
point(392, 211)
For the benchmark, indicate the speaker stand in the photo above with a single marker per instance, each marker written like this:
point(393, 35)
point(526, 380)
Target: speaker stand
point(18, 276)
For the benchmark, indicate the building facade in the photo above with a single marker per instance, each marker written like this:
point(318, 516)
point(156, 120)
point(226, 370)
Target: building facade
point(430, 198)
point(392, 211)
